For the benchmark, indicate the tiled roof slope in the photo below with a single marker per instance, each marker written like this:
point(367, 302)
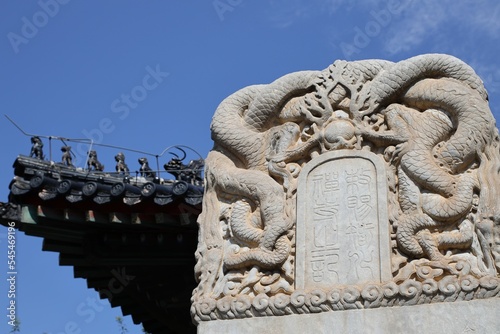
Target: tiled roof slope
point(132, 238)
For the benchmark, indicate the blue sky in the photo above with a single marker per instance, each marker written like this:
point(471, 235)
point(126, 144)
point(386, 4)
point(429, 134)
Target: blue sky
point(149, 74)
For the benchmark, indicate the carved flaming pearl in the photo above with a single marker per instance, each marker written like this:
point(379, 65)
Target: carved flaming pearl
point(339, 134)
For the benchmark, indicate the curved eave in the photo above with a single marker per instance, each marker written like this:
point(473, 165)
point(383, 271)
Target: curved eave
point(135, 246)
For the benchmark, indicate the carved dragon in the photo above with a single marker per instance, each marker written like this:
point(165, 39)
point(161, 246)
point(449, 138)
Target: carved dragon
point(241, 129)
point(428, 116)
point(435, 144)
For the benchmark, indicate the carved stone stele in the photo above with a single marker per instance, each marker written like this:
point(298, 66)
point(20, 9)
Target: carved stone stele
point(364, 185)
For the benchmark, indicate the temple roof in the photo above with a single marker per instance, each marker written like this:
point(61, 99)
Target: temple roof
point(132, 238)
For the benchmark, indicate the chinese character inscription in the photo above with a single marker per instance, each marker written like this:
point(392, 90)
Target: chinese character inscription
point(341, 220)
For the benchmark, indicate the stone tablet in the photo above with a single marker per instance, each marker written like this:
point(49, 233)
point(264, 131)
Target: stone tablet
point(342, 224)
point(368, 184)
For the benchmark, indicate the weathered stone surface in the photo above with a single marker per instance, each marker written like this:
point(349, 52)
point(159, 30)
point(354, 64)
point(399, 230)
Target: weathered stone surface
point(368, 184)
point(342, 223)
point(477, 316)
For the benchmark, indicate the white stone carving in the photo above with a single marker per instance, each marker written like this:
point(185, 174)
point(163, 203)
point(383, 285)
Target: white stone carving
point(404, 154)
point(342, 228)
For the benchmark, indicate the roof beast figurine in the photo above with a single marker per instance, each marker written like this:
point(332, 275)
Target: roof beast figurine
point(36, 148)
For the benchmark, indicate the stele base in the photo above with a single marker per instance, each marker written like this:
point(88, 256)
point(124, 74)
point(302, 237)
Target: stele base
point(476, 316)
